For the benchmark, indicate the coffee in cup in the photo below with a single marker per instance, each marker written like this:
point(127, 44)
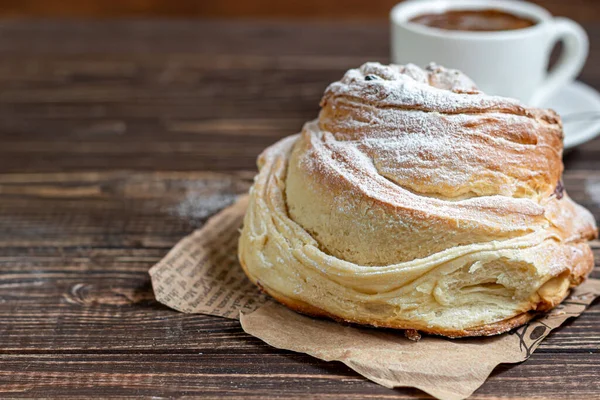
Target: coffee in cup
point(485, 20)
point(503, 45)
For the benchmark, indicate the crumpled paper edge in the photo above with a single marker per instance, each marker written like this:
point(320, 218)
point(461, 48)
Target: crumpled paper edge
point(513, 347)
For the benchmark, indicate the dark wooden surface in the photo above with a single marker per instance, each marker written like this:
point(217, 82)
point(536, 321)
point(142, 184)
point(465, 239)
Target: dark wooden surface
point(119, 138)
point(580, 10)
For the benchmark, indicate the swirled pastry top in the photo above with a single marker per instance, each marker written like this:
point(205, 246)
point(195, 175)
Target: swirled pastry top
point(432, 132)
point(416, 201)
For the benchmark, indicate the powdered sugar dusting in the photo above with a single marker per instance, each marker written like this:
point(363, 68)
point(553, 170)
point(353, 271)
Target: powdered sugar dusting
point(194, 206)
point(202, 199)
point(435, 89)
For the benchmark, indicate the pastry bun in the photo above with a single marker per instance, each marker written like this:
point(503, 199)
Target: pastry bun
point(415, 201)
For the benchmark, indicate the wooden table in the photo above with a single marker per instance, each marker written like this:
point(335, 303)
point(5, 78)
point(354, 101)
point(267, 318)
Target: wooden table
point(119, 138)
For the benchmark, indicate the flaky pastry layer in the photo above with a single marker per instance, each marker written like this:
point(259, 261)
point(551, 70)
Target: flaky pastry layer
point(417, 202)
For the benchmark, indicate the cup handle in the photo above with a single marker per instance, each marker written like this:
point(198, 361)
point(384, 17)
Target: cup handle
point(571, 61)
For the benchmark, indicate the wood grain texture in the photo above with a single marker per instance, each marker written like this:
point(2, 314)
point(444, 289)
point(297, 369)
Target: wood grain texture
point(119, 138)
point(581, 10)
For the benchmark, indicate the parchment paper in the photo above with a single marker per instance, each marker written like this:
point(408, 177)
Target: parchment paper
point(201, 274)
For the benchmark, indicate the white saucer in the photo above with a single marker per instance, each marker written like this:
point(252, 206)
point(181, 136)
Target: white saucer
point(579, 107)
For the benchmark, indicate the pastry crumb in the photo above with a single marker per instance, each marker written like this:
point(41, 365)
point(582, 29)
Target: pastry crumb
point(412, 334)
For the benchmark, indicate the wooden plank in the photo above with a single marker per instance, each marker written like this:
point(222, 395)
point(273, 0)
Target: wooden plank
point(77, 299)
point(332, 9)
point(140, 95)
point(273, 374)
point(143, 209)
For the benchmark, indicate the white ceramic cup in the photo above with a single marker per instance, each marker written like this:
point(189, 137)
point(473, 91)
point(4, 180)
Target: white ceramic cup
point(511, 63)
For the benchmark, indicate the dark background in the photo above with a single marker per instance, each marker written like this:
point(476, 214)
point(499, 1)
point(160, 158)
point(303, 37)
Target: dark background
point(581, 10)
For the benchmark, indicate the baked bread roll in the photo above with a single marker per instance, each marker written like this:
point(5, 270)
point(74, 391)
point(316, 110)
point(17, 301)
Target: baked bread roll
point(415, 201)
